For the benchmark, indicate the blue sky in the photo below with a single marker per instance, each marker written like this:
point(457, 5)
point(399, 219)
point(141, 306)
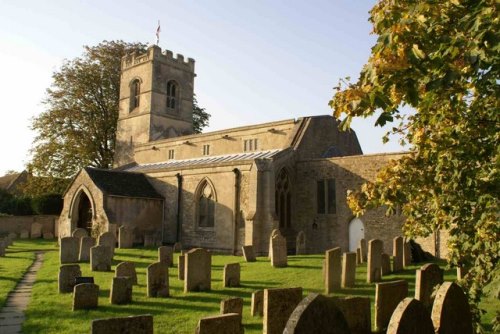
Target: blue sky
point(256, 61)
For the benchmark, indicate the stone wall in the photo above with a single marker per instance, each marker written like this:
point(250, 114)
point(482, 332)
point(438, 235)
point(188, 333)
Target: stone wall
point(436, 244)
point(16, 224)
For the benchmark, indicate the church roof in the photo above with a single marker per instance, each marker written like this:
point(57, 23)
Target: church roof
point(124, 184)
point(204, 160)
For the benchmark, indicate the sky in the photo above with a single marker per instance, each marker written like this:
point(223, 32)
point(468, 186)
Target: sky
point(256, 60)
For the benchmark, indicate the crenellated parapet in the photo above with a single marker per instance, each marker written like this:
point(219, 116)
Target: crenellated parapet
point(155, 53)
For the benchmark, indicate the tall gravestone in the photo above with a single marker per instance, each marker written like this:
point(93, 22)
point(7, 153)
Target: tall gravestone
point(300, 243)
point(86, 243)
point(67, 275)
point(231, 275)
point(428, 277)
point(166, 255)
point(248, 253)
point(69, 250)
point(108, 239)
point(278, 306)
point(363, 249)
point(333, 269)
point(157, 278)
point(274, 233)
point(279, 257)
point(406, 254)
point(357, 313)
point(374, 268)
point(410, 317)
point(36, 230)
point(451, 311)
point(387, 297)
point(257, 304)
point(397, 253)
point(126, 269)
point(198, 270)
point(358, 256)
point(100, 258)
point(125, 237)
point(348, 270)
point(181, 267)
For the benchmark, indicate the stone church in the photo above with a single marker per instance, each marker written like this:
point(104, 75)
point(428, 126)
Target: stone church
point(224, 189)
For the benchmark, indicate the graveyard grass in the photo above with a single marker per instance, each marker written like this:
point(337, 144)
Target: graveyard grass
point(50, 312)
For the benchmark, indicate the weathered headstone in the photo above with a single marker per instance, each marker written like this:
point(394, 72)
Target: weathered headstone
point(66, 279)
point(231, 276)
point(358, 256)
point(274, 233)
point(69, 250)
point(387, 297)
point(410, 317)
point(177, 247)
point(142, 324)
point(374, 268)
point(364, 252)
point(316, 314)
point(248, 253)
point(257, 305)
point(348, 270)
point(126, 269)
point(397, 253)
point(386, 264)
point(428, 277)
point(100, 258)
point(121, 290)
point(406, 254)
point(180, 267)
point(157, 278)
point(198, 270)
point(333, 269)
point(86, 243)
point(279, 257)
point(85, 296)
point(36, 230)
point(300, 243)
point(231, 305)
point(25, 234)
point(125, 237)
point(451, 311)
point(108, 239)
point(278, 306)
point(80, 233)
point(357, 313)
point(224, 323)
point(166, 255)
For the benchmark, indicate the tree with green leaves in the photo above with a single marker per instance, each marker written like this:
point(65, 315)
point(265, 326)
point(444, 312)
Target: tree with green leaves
point(441, 58)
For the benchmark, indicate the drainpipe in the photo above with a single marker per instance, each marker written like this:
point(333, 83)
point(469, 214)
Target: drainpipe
point(236, 214)
point(179, 206)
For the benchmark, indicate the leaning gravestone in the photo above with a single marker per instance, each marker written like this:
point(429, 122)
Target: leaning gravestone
point(69, 250)
point(428, 277)
point(157, 278)
point(121, 291)
point(300, 243)
point(316, 314)
point(25, 234)
point(36, 230)
point(410, 317)
point(451, 311)
point(348, 270)
point(181, 266)
point(224, 323)
point(374, 268)
point(126, 269)
point(279, 257)
point(100, 258)
point(107, 239)
point(333, 269)
point(257, 305)
point(231, 276)
point(198, 270)
point(385, 261)
point(248, 253)
point(80, 233)
point(67, 275)
point(125, 237)
point(86, 243)
point(166, 255)
point(85, 296)
point(357, 313)
point(142, 324)
point(231, 305)
point(362, 247)
point(397, 253)
point(278, 306)
point(274, 233)
point(387, 297)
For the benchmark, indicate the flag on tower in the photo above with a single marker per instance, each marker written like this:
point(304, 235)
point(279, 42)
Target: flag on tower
point(158, 33)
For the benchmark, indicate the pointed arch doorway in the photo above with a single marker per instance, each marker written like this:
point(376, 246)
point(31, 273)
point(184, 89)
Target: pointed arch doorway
point(83, 211)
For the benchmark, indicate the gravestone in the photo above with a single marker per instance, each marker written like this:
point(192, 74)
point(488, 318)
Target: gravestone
point(121, 290)
point(86, 243)
point(69, 250)
point(198, 270)
point(220, 324)
point(257, 305)
point(108, 239)
point(387, 297)
point(300, 243)
point(358, 256)
point(451, 311)
point(428, 277)
point(279, 257)
point(362, 247)
point(126, 269)
point(248, 253)
point(333, 269)
point(278, 306)
point(36, 230)
point(231, 276)
point(386, 264)
point(67, 275)
point(410, 317)
point(142, 324)
point(406, 254)
point(100, 258)
point(357, 313)
point(85, 296)
point(125, 237)
point(48, 235)
point(231, 305)
point(316, 314)
point(25, 234)
point(157, 278)
point(80, 233)
point(274, 233)
point(397, 253)
point(374, 268)
point(181, 267)
point(348, 270)
point(166, 255)
point(177, 247)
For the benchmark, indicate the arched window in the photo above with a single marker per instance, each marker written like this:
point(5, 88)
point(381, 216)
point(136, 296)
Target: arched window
point(135, 92)
point(283, 199)
point(172, 95)
point(206, 205)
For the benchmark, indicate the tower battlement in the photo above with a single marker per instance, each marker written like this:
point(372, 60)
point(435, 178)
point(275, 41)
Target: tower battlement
point(155, 52)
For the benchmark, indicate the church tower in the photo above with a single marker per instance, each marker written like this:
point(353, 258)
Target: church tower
point(156, 100)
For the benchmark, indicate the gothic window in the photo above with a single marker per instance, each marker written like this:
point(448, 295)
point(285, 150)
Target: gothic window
point(135, 92)
point(171, 154)
point(206, 149)
point(326, 197)
point(206, 205)
point(283, 199)
point(172, 95)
